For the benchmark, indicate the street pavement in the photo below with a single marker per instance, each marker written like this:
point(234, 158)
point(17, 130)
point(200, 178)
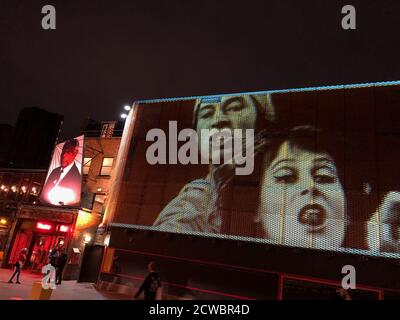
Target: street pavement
point(68, 290)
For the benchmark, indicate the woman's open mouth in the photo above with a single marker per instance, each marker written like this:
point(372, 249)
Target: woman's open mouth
point(313, 216)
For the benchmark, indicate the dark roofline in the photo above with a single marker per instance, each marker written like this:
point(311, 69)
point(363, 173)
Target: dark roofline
point(23, 170)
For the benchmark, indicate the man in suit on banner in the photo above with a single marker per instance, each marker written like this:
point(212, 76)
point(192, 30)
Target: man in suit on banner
point(63, 185)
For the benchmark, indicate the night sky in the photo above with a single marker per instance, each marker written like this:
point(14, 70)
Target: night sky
point(105, 54)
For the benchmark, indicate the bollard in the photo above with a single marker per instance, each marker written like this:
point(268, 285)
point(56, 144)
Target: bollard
point(39, 293)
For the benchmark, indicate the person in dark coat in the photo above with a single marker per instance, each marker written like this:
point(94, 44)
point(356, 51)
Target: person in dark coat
point(53, 257)
point(61, 262)
point(151, 283)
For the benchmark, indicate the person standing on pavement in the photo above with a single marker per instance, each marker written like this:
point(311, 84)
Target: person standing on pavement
point(60, 264)
point(18, 265)
point(53, 256)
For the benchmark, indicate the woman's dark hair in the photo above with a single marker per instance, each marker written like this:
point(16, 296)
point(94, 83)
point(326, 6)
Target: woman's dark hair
point(310, 139)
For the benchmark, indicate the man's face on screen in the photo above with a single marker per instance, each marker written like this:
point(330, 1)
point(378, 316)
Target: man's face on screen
point(68, 157)
point(231, 113)
point(302, 202)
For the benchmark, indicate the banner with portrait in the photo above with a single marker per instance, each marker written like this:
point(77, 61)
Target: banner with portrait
point(63, 183)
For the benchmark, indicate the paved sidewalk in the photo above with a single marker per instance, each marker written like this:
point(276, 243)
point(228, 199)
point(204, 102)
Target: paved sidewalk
point(68, 290)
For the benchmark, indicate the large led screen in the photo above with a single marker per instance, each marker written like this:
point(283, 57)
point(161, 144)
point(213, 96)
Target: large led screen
point(64, 179)
point(314, 168)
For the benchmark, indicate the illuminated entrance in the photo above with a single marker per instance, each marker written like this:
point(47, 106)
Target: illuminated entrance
point(39, 237)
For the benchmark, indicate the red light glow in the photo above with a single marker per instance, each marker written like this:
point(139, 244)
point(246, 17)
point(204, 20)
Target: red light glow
point(43, 226)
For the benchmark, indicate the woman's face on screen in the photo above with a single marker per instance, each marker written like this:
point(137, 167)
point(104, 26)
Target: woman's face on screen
point(302, 202)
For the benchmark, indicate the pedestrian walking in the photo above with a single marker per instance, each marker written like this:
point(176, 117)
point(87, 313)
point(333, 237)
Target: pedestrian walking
point(18, 265)
point(151, 284)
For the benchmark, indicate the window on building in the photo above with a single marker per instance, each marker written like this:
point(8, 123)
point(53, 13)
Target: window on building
point(107, 129)
point(106, 166)
point(86, 165)
point(34, 191)
point(98, 204)
point(24, 188)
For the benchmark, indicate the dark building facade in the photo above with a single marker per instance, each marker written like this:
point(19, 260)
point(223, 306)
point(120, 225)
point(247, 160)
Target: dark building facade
point(36, 133)
point(17, 187)
point(6, 137)
point(26, 222)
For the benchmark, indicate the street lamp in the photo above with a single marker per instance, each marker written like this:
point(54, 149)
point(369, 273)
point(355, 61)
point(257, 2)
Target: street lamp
point(127, 108)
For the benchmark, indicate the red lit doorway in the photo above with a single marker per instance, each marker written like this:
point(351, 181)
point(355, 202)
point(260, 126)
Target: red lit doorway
point(39, 238)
